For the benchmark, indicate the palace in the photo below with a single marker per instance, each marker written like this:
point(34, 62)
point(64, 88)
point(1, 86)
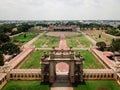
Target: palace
point(62, 27)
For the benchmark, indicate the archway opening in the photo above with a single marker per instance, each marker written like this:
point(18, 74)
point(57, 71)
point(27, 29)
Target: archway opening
point(62, 71)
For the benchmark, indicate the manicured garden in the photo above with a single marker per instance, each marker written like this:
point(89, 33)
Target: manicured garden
point(33, 60)
point(78, 41)
point(24, 38)
point(26, 85)
point(97, 85)
point(47, 41)
point(90, 61)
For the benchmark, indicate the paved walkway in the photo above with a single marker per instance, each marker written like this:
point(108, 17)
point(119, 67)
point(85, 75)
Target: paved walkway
point(20, 57)
point(104, 58)
point(62, 44)
point(62, 82)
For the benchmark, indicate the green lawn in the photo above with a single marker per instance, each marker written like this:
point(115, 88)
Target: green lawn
point(71, 42)
point(23, 39)
point(97, 85)
point(90, 61)
point(33, 60)
point(26, 85)
point(84, 41)
point(48, 40)
point(79, 40)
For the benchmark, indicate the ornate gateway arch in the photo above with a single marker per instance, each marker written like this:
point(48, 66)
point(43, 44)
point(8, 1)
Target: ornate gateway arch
point(48, 65)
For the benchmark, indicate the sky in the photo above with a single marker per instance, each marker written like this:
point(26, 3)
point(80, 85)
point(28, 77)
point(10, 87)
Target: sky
point(59, 10)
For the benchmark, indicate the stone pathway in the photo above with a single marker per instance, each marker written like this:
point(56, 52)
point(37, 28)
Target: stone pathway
point(62, 69)
point(62, 44)
point(62, 83)
point(104, 58)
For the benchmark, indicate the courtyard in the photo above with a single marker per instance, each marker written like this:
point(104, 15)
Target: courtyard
point(78, 41)
point(48, 40)
point(33, 60)
point(90, 62)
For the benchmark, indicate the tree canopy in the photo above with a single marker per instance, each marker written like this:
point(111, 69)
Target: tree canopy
point(115, 45)
point(101, 45)
point(113, 32)
point(10, 48)
point(1, 59)
point(6, 28)
point(22, 28)
point(4, 38)
point(118, 27)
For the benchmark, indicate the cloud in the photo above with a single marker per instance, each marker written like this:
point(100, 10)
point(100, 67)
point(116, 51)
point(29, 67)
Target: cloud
point(59, 9)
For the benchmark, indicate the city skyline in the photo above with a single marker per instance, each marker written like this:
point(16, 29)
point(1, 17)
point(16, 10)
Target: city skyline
point(59, 10)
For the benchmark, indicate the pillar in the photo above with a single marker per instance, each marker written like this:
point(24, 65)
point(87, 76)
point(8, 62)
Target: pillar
point(72, 78)
point(52, 73)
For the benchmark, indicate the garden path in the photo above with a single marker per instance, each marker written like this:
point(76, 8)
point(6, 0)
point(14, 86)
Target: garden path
point(62, 82)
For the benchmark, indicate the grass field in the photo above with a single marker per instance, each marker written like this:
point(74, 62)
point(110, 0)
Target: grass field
point(35, 31)
point(49, 41)
point(90, 61)
point(23, 39)
point(78, 41)
point(26, 85)
point(95, 35)
point(33, 61)
point(97, 85)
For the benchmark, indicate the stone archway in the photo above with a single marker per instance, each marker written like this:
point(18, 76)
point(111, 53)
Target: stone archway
point(65, 61)
point(63, 67)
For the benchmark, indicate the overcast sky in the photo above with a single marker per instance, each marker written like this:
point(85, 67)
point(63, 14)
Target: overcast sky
point(59, 9)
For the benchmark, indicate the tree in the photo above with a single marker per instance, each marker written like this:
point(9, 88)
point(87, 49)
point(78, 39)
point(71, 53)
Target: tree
point(99, 35)
point(118, 27)
point(4, 38)
point(6, 28)
point(115, 45)
point(101, 45)
point(1, 59)
point(10, 48)
point(25, 35)
point(24, 27)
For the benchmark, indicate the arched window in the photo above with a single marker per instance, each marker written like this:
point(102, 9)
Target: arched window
point(105, 76)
